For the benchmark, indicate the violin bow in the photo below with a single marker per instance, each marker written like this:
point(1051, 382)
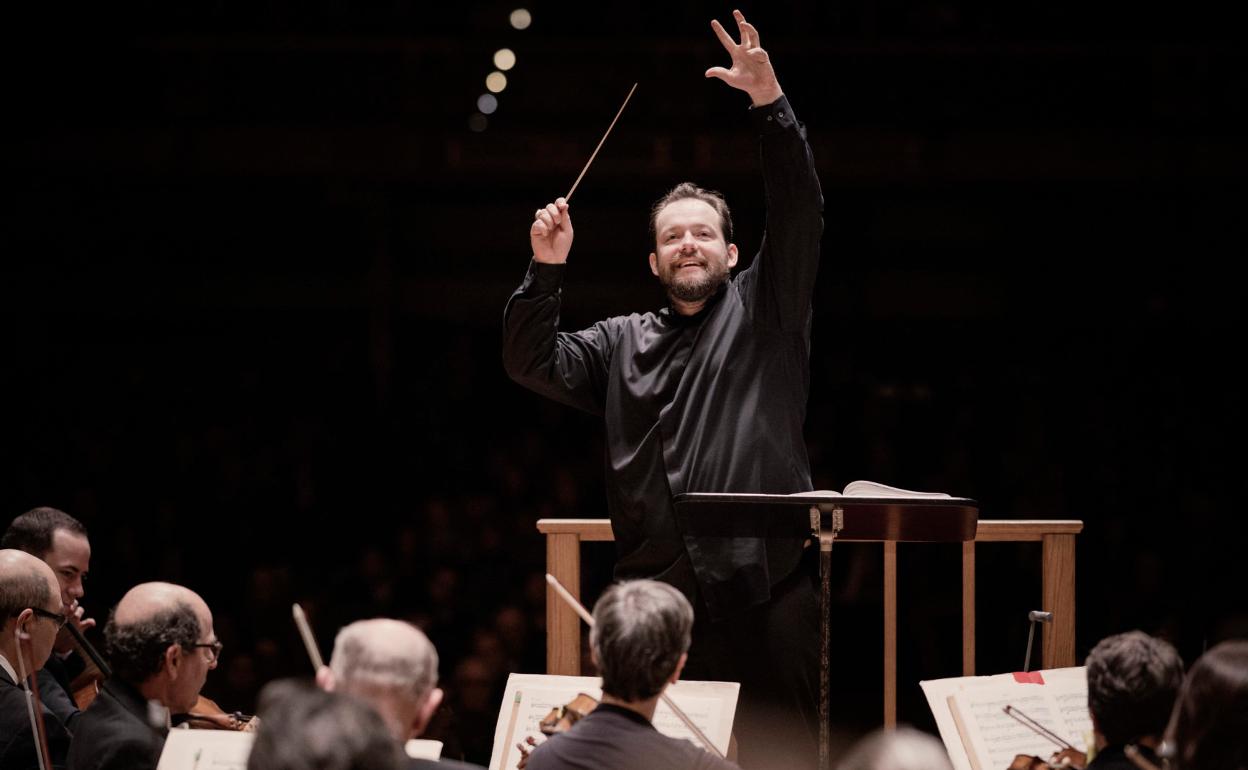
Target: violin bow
point(309, 641)
point(1036, 727)
point(34, 706)
point(571, 601)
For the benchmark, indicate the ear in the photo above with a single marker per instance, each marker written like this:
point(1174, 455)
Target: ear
point(22, 625)
point(654, 264)
point(432, 701)
point(680, 666)
point(172, 660)
point(325, 679)
point(732, 255)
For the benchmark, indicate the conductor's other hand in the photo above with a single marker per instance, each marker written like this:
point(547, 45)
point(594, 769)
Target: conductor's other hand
point(751, 69)
point(551, 233)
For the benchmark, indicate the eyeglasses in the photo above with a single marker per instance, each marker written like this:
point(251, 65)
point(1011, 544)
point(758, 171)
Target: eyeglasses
point(214, 649)
point(55, 617)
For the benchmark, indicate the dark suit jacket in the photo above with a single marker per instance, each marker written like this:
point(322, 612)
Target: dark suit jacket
point(1114, 758)
point(17, 745)
point(54, 681)
point(114, 734)
point(614, 738)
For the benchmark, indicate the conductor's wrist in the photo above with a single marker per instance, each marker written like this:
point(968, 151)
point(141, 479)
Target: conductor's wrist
point(766, 96)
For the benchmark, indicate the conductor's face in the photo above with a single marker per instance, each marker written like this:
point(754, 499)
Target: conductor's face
point(692, 259)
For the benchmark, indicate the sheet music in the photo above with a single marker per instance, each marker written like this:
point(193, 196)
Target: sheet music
point(1000, 737)
point(1063, 709)
point(530, 697)
point(205, 750)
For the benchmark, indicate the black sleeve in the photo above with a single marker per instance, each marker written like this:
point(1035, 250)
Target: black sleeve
point(568, 367)
point(57, 700)
point(781, 281)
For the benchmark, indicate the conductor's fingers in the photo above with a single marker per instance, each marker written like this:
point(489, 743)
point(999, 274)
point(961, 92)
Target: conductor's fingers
point(545, 218)
point(554, 212)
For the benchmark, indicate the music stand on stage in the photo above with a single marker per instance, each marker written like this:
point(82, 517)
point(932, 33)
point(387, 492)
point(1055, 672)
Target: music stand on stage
point(826, 517)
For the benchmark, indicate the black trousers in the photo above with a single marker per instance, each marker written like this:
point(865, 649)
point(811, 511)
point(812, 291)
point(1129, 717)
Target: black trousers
point(773, 651)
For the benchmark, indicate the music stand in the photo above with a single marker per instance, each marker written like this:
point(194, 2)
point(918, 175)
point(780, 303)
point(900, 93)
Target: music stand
point(824, 518)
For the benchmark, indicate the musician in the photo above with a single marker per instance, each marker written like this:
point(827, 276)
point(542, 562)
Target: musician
point(30, 607)
point(1209, 727)
point(305, 727)
point(162, 646)
point(900, 748)
point(1133, 681)
point(61, 541)
point(393, 667)
point(640, 642)
point(706, 395)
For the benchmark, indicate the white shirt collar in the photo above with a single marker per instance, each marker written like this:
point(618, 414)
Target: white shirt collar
point(8, 669)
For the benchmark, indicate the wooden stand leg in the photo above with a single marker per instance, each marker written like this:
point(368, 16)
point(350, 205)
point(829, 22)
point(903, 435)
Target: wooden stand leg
point(1059, 599)
point(563, 627)
point(968, 608)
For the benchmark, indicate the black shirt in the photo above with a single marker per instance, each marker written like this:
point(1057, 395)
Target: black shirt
point(708, 403)
point(616, 738)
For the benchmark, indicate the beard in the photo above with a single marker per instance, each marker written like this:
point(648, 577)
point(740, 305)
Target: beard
point(695, 288)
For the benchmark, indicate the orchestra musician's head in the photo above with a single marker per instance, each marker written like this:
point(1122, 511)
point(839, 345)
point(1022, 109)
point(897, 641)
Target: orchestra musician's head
point(1133, 679)
point(1210, 720)
point(161, 642)
point(691, 229)
point(305, 727)
point(392, 666)
point(901, 748)
point(30, 608)
point(640, 641)
point(61, 541)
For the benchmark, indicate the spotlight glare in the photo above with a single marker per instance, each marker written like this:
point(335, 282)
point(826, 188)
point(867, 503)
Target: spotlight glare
point(521, 18)
point(504, 59)
point(495, 82)
point(487, 103)
point(477, 123)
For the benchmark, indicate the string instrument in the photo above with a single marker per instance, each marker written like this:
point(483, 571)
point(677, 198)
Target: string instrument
point(34, 706)
point(86, 685)
point(207, 715)
point(561, 718)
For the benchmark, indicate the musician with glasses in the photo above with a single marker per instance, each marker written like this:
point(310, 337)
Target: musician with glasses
point(31, 612)
point(161, 645)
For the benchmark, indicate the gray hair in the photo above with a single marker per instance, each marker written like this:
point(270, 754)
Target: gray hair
point(384, 655)
point(901, 749)
point(138, 649)
point(641, 628)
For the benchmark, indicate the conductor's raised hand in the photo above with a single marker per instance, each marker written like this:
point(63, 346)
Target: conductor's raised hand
point(551, 233)
point(751, 69)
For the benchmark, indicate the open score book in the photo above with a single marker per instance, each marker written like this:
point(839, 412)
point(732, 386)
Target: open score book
point(979, 735)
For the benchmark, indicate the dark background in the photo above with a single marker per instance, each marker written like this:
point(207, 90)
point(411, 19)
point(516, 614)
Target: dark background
point(254, 266)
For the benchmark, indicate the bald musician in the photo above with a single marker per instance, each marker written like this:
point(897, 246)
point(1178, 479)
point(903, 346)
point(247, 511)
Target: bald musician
point(393, 667)
point(31, 610)
point(162, 647)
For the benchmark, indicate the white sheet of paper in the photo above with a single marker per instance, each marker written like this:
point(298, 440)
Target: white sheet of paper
point(205, 750)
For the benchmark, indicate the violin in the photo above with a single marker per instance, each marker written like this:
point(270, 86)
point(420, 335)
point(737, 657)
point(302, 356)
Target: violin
point(207, 715)
point(1067, 759)
point(562, 718)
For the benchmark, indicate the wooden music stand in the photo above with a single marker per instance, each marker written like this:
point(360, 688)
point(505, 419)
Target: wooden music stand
point(824, 519)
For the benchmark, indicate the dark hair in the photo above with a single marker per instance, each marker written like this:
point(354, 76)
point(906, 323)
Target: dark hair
point(1133, 679)
point(1210, 721)
point(22, 589)
point(32, 531)
point(305, 728)
point(138, 649)
point(641, 628)
point(690, 190)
